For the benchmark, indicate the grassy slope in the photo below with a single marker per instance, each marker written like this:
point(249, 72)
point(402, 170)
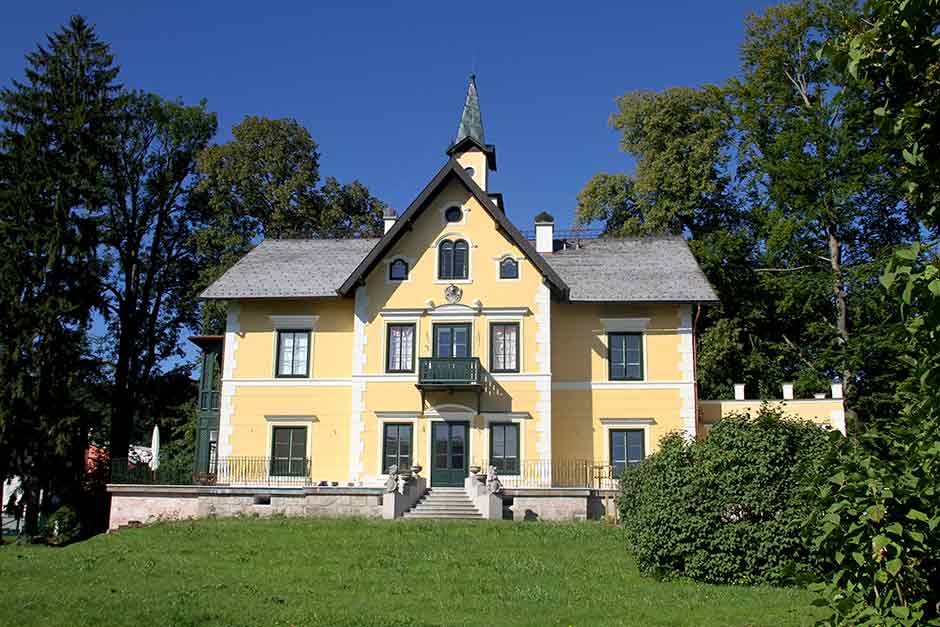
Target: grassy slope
point(316, 572)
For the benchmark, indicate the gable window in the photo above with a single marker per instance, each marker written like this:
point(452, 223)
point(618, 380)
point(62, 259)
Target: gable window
point(626, 449)
point(398, 270)
point(504, 448)
point(293, 353)
point(452, 259)
point(396, 447)
point(625, 356)
point(401, 348)
point(289, 452)
point(504, 347)
point(453, 214)
point(509, 268)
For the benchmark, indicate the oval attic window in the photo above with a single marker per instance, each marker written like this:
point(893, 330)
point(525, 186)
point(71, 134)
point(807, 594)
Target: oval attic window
point(454, 214)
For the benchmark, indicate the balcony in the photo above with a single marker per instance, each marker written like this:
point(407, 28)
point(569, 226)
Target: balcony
point(449, 372)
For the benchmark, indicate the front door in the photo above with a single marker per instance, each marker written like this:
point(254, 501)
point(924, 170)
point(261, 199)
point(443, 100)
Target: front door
point(451, 340)
point(449, 464)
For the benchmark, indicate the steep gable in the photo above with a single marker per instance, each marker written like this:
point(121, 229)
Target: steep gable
point(452, 171)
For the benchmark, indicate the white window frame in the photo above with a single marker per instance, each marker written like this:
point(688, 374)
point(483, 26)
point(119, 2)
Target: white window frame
point(626, 325)
point(293, 323)
point(499, 418)
point(288, 421)
point(394, 417)
point(451, 205)
point(619, 424)
point(498, 260)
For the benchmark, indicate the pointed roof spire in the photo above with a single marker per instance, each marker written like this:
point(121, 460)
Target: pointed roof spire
point(471, 120)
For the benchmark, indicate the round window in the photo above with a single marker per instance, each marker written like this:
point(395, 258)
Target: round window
point(454, 214)
point(470, 171)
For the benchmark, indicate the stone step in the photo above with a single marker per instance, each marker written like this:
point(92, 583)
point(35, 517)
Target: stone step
point(443, 516)
point(439, 500)
point(444, 508)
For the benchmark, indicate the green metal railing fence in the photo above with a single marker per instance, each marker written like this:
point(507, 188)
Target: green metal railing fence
point(449, 371)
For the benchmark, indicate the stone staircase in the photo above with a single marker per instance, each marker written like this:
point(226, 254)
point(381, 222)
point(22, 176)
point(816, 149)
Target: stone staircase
point(444, 504)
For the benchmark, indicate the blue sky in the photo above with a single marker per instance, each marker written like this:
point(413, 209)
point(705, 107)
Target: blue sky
point(380, 86)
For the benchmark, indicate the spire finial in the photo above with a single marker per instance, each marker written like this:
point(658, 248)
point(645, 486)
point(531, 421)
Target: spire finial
point(471, 120)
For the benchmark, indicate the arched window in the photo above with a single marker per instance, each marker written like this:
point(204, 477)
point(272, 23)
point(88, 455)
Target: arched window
point(509, 268)
point(398, 270)
point(453, 259)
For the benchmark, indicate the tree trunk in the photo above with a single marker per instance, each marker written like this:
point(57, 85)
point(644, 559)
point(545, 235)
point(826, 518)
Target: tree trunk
point(842, 311)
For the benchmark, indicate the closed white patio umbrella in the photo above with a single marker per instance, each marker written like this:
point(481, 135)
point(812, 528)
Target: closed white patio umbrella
point(155, 449)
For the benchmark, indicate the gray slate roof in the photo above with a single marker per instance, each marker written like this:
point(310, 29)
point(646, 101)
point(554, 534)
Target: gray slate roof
point(655, 269)
point(635, 269)
point(291, 268)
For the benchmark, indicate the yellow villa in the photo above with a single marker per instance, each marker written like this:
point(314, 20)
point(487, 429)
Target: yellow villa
point(449, 350)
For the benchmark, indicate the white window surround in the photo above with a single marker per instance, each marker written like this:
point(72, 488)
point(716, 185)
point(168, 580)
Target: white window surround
point(283, 323)
point(403, 417)
point(447, 413)
point(452, 235)
point(416, 340)
point(616, 424)
point(625, 325)
point(508, 255)
point(289, 421)
point(463, 214)
point(520, 348)
point(294, 322)
point(516, 418)
point(386, 267)
point(644, 362)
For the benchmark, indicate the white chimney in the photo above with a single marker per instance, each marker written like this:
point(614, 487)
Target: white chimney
point(836, 390)
point(389, 215)
point(544, 233)
point(739, 391)
point(788, 391)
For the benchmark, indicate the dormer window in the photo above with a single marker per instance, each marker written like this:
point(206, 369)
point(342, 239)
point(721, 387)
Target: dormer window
point(452, 259)
point(509, 268)
point(398, 270)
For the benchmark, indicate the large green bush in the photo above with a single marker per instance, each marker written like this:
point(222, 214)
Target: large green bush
point(876, 532)
point(727, 509)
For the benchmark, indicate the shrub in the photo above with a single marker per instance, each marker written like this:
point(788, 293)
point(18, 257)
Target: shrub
point(875, 533)
point(727, 509)
point(64, 526)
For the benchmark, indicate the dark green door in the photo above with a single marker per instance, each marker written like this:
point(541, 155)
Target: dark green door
point(451, 340)
point(449, 464)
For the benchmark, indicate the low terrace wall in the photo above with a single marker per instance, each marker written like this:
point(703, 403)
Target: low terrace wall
point(146, 504)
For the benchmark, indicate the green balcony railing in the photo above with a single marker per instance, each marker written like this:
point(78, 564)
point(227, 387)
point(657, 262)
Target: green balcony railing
point(449, 371)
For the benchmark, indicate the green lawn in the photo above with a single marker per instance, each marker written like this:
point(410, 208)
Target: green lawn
point(349, 572)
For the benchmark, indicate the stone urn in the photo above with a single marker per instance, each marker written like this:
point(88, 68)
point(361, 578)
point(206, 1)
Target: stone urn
point(475, 470)
point(404, 474)
point(416, 469)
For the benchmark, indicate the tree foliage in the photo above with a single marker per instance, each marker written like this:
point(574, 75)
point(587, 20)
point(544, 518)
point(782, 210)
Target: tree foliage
point(786, 191)
point(56, 135)
point(875, 533)
point(148, 231)
point(727, 509)
point(263, 183)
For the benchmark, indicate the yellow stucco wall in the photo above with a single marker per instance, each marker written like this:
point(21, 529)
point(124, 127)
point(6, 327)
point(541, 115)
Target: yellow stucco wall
point(829, 412)
point(565, 405)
